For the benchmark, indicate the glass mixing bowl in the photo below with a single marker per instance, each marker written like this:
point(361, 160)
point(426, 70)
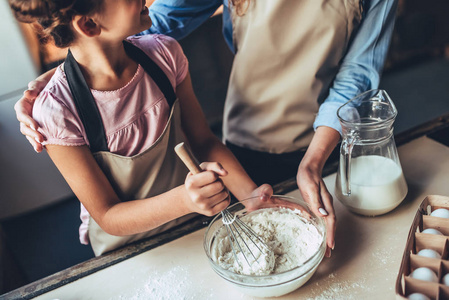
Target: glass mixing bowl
point(272, 285)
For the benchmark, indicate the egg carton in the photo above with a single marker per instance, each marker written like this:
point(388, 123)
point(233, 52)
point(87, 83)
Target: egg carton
point(417, 241)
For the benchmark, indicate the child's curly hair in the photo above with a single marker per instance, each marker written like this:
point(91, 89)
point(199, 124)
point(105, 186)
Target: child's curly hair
point(54, 16)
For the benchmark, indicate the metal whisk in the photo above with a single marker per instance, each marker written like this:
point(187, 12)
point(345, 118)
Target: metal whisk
point(238, 232)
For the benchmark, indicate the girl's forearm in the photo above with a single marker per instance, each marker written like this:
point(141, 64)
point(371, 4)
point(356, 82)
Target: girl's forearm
point(132, 217)
point(206, 146)
point(237, 180)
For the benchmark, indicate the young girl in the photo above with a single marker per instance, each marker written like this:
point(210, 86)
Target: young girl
point(112, 115)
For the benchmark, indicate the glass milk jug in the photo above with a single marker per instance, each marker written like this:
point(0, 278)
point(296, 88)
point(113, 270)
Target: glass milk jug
point(369, 178)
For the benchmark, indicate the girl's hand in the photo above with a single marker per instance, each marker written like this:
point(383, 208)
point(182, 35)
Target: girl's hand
point(264, 192)
point(259, 197)
point(315, 193)
point(207, 193)
point(24, 109)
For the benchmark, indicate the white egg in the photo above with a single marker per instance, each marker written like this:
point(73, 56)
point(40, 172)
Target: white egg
point(429, 253)
point(417, 296)
point(445, 279)
point(424, 274)
point(432, 231)
point(441, 213)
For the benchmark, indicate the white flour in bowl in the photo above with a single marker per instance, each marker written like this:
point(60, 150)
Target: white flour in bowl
point(292, 238)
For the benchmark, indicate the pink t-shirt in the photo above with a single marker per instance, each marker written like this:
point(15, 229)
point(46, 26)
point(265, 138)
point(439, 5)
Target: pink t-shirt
point(133, 116)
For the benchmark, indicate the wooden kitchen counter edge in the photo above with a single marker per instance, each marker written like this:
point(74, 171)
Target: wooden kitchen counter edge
point(93, 265)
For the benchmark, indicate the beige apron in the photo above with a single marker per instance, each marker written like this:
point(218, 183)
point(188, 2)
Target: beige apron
point(144, 175)
point(147, 174)
point(287, 55)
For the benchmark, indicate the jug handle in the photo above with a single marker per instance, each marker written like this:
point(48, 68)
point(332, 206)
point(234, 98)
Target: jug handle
point(345, 161)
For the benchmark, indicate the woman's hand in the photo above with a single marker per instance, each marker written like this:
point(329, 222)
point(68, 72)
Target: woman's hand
point(315, 193)
point(24, 110)
point(311, 184)
point(207, 193)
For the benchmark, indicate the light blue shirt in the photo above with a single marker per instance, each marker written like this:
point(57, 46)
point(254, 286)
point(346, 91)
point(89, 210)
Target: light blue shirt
point(360, 68)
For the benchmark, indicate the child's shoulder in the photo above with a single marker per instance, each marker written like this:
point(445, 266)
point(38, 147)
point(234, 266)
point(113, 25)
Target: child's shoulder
point(149, 39)
point(57, 90)
point(158, 43)
point(166, 52)
point(58, 83)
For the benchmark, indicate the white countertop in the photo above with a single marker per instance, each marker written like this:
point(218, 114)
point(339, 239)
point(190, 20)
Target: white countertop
point(364, 264)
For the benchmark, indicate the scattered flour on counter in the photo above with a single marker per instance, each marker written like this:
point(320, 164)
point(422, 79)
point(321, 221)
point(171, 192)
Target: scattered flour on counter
point(292, 238)
point(338, 290)
point(168, 286)
point(382, 256)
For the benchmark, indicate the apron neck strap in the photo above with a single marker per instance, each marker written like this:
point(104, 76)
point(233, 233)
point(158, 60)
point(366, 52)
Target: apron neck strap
point(85, 102)
point(153, 70)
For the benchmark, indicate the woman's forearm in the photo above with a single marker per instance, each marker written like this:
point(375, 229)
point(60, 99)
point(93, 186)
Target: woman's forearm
point(322, 145)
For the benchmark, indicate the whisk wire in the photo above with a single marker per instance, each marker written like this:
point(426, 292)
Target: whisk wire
point(231, 233)
point(235, 225)
point(250, 233)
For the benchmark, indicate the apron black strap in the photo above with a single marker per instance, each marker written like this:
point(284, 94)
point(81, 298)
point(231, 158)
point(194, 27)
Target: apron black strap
point(153, 70)
point(85, 103)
